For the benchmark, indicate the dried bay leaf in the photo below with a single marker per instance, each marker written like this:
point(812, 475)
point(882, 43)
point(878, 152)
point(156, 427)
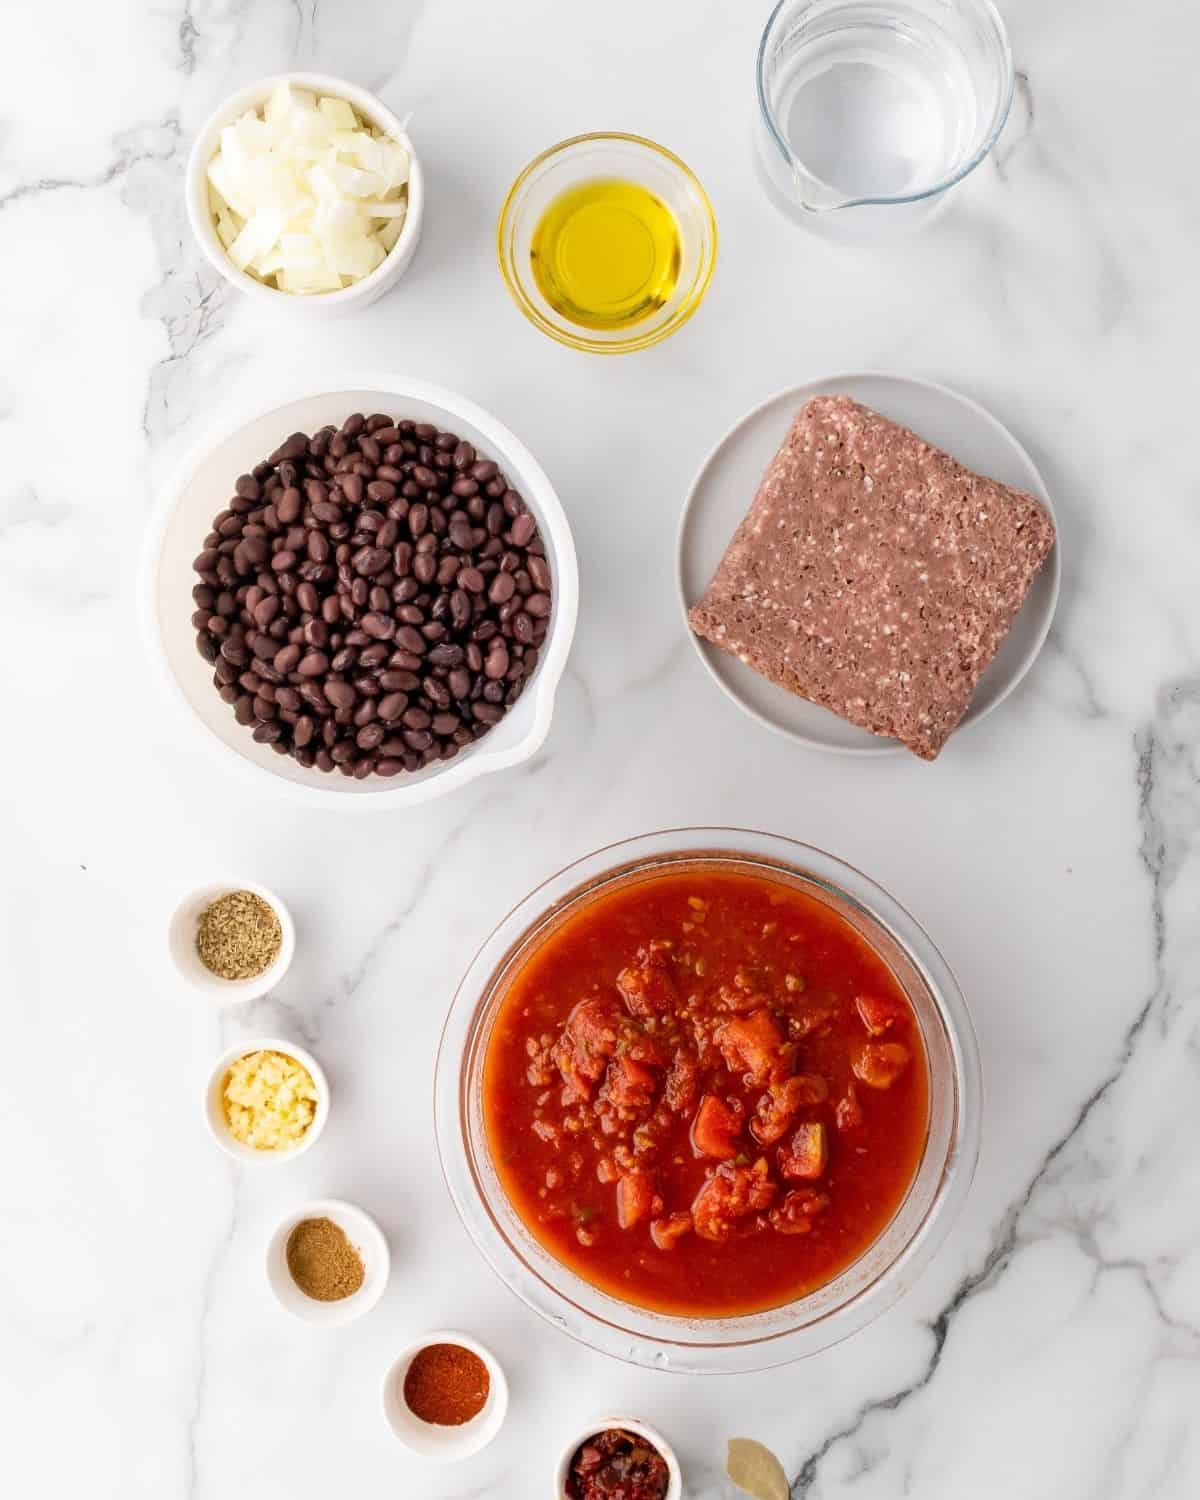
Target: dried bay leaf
point(756, 1470)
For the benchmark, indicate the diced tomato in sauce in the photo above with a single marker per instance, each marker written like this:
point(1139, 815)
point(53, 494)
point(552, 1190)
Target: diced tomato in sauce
point(752, 1045)
point(798, 1211)
point(880, 1013)
point(648, 984)
point(705, 1093)
point(805, 1155)
point(588, 1040)
point(629, 1084)
point(879, 1064)
point(635, 1198)
point(730, 1195)
point(667, 1232)
point(715, 1129)
point(778, 1106)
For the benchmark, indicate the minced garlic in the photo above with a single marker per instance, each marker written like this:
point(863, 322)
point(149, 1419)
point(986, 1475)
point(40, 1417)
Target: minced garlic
point(269, 1101)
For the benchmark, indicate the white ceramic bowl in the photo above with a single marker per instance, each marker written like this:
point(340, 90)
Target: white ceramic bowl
point(366, 1237)
point(181, 942)
point(254, 96)
point(642, 1430)
point(445, 1444)
point(182, 519)
point(214, 1114)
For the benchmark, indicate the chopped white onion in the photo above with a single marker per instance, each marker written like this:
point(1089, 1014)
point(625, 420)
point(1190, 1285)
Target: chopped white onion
point(304, 196)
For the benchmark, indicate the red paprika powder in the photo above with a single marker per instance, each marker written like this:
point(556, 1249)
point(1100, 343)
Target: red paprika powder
point(446, 1385)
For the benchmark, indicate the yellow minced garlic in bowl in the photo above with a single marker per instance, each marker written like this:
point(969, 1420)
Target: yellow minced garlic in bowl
point(269, 1100)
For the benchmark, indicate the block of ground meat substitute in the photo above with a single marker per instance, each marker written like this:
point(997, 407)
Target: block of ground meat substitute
point(874, 574)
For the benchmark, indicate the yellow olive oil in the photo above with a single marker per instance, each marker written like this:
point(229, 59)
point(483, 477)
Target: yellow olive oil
point(606, 253)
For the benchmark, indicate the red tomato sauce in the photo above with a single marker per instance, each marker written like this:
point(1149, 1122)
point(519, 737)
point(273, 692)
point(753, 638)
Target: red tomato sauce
point(705, 1093)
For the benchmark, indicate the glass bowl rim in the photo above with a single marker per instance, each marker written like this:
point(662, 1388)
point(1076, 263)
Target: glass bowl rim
point(530, 308)
point(988, 140)
point(751, 1350)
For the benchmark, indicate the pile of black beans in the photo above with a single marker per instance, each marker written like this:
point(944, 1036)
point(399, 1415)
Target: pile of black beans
point(373, 597)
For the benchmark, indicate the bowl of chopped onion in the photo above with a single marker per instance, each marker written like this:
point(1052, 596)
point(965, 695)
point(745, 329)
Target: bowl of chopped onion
point(306, 188)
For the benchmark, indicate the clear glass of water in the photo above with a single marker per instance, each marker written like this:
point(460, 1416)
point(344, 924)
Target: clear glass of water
point(870, 110)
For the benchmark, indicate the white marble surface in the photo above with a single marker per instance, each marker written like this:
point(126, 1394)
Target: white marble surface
point(1053, 1349)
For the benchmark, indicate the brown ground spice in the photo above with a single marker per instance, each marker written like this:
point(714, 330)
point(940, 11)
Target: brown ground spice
point(239, 936)
point(447, 1385)
point(323, 1262)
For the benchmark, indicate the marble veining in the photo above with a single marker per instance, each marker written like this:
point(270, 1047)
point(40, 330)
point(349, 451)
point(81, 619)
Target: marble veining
point(1053, 1347)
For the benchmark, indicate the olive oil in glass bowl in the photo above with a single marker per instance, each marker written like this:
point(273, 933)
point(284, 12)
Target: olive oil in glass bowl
point(606, 253)
point(607, 243)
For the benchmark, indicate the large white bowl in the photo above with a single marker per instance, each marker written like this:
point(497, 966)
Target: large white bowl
point(369, 108)
point(197, 493)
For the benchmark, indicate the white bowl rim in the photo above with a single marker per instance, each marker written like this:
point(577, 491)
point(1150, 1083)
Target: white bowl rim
point(221, 1134)
point(478, 760)
point(235, 991)
point(818, 385)
point(251, 96)
point(628, 1424)
point(471, 1437)
point(354, 1222)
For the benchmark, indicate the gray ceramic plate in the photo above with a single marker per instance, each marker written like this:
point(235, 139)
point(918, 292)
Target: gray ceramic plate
point(726, 484)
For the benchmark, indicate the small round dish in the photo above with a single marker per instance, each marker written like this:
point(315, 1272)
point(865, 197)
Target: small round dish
point(369, 108)
point(726, 484)
point(778, 1335)
point(181, 943)
point(608, 155)
point(214, 1113)
point(626, 1424)
point(367, 1238)
point(184, 514)
point(444, 1445)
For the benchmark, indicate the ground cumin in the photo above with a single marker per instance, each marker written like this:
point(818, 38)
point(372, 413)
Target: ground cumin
point(323, 1262)
point(446, 1384)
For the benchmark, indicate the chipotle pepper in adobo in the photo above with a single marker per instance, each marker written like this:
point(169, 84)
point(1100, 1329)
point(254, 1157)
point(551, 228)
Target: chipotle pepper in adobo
point(617, 1465)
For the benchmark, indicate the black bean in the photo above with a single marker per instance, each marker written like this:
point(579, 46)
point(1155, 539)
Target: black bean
point(295, 447)
point(315, 664)
point(378, 626)
point(358, 568)
point(471, 579)
point(289, 505)
point(502, 588)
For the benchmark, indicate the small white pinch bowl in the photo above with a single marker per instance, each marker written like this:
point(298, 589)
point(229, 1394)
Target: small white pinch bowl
point(181, 943)
point(214, 1113)
point(629, 1424)
point(369, 108)
point(367, 1238)
point(182, 518)
point(443, 1445)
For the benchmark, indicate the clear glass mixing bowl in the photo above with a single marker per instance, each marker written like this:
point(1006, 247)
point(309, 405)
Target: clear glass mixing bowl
point(631, 158)
point(714, 1345)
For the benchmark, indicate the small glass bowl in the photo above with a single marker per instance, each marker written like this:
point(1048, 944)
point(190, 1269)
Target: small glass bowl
point(581, 159)
point(779, 1335)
